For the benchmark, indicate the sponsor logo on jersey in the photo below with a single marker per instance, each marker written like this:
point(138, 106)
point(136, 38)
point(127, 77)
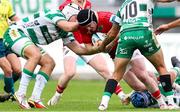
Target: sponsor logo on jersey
point(122, 51)
point(100, 28)
point(133, 38)
point(31, 24)
point(14, 34)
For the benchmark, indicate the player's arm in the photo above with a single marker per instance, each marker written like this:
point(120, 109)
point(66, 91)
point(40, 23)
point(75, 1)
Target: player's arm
point(67, 26)
point(165, 1)
point(80, 50)
point(168, 26)
point(111, 44)
point(74, 45)
point(111, 35)
point(15, 18)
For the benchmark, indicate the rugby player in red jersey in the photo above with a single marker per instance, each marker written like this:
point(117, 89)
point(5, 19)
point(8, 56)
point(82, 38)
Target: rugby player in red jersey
point(70, 9)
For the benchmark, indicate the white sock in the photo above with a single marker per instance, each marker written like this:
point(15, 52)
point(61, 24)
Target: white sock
point(170, 99)
point(25, 79)
point(105, 100)
point(38, 87)
point(176, 87)
point(58, 94)
point(121, 95)
point(161, 101)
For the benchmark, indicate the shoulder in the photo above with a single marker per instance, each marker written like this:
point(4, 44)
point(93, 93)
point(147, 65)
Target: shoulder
point(104, 14)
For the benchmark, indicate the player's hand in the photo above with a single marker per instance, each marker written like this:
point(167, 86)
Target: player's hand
point(161, 29)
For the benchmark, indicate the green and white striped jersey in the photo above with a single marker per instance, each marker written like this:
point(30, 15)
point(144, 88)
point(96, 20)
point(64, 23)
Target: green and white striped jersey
point(135, 13)
point(42, 28)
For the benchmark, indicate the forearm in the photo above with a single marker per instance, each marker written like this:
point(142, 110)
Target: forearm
point(67, 26)
point(174, 24)
point(111, 36)
point(165, 1)
point(111, 45)
point(15, 18)
point(81, 50)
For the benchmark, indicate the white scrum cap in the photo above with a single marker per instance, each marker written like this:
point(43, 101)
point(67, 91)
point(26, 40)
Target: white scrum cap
point(70, 10)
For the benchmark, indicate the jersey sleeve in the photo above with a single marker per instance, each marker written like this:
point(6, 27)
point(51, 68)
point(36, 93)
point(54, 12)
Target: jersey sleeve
point(69, 38)
point(115, 19)
point(118, 18)
point(55, 16)
point(11, 13)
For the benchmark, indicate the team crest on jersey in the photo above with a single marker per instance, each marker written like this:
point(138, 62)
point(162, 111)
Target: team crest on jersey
point(14, 33)
point(100, 28)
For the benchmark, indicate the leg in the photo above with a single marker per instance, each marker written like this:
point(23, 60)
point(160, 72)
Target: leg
point(139, 69)
point(47, 65)
point(157, 60)
point(16, 66)
point(133, 81)
point(69, 71)
point(33, 55)
point(99, 63)
point(120, 67)
point(6, 67)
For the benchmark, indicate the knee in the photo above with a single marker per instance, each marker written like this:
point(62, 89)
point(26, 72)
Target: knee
point(8, 71)
point(49, 63)
point(35, 57)
point(143, 77)
point(17, 70)
point(106, 73)
point(69, 73)
point(139, 87)
point(6, 67)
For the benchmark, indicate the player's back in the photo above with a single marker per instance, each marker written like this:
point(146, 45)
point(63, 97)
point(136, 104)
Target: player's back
point(136, 13)
point(41, 26)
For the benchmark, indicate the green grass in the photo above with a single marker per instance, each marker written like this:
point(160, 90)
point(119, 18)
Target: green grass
point(79, 96)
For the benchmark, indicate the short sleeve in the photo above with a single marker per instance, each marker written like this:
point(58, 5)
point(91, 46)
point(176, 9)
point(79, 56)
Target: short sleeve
point(55, 16)
point(118, 14)
point(70, 38)
point(115, 19)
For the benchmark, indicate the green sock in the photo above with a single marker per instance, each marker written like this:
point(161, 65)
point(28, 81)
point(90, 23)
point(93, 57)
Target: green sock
point(16, 77)
point(163, 92)
point(9, 85)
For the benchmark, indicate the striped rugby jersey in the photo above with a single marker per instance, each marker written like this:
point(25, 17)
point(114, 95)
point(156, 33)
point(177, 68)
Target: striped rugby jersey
point(136, 13)
point(42, 28)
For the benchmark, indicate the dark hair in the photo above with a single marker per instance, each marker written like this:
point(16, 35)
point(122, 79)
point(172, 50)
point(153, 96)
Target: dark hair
point(86, 16)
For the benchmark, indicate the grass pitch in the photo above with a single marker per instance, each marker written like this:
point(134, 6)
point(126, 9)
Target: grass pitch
point(79, 96)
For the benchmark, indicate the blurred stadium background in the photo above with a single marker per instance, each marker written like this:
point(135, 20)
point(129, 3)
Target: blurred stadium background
point(163, 13)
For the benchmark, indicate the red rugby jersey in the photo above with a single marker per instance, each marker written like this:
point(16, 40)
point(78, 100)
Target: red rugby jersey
point(87, 5)
point(103, 26)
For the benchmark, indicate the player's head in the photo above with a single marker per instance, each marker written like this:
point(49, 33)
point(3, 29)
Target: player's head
point(87, 19)
point(70, 11)
point(140, 99)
